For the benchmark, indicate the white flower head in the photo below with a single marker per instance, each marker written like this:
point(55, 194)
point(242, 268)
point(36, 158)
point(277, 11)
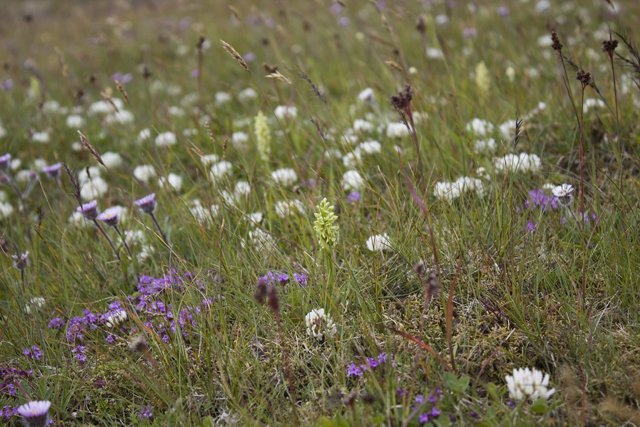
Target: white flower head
point(367, 96)
point(144, 173)
point(285, 208)
point(172, 180)
point(479, 127)
point(111, 160)
point(362, 126)
point(563, 190)
point(220, 169)
point(75, 122)
point(94, 189)
point(285, 177)
point(352, 181)
point(115, 317)
point(283, 112)
point(379, 243)
point(319, 324)
point(166, 138)
point(397, 130)
point(528, 383)
point(41, 137)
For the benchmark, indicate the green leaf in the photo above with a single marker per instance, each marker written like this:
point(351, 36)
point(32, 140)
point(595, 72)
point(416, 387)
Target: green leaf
point(442, 421)
point(208, 422)
point(540, 406)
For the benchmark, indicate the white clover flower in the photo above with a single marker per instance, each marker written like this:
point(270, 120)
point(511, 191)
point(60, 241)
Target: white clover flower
point(593, 103)
point(563, 190)
point(319, 324)
point(242, 189)
point(166, 138)
point(104, 107)
point(135, 237)
point(41, 137)
point(371, 147)
point(284, 208)
point(220, 169)
point(484, 145)
point(190, 132)
point(352, 181)
point(84, 175)
point(352, 159)
point(362, 126)
point(51, 106)
point(36, 302)
point(144, 173)
point(94, 188)
point(542, 5)
point(446, 191)
point(508, 129)
point(261, 239)
point(367, 96)
point(247, 94)
point(145, 253)
point(121, 117)
point(479, 127)
point(144, 135)
point(397, 130)
point(434, 53)
point(172, 180)
point(222, 98)
point(6, 210)
point(176, 111)
point(255, 218)
point(209, 159)
point(26, 175)
point(514, 163)
point(528, 383)
point(239, 139)
point(74, 121)
point(204, 215)
point(379, 243)
point(282, 112)
point(39, 164)
point(115, 317)
point(111, 160)
point(285, 177)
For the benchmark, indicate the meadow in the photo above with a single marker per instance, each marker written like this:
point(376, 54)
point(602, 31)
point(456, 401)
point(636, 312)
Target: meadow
point(318, 213)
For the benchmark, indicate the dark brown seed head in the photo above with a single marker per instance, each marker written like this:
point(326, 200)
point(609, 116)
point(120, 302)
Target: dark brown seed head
point(556, 45)
point(419, 269)
point(270, 69)
point(139, 344)
point(200, 42)
point(433, 284)
point(609, 46)
point(584, 77)
point(421, 26)
point(261, 290)
point(274, 302)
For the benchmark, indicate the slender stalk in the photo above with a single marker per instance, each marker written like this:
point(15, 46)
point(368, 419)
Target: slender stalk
point(108, 239)
point(164, 238)
point(124, 242)
point(581, 201)
point(615, 86)
point(566, 84)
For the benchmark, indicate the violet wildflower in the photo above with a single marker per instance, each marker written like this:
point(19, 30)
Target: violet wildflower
point(474, 415)
point(110, 216)
point(147, 204)
point(354, 371)
point(354, 197)
point(56, 323)
point(424, 418)
point(110, 339)
point(503, 11)
point(401, 392)
point(21, 261)
point(32, 353)
point(53, 171)
point(7, 84)
point(78, 353)
point(434, 412)
point(89, 210)
point(5, 160)
point(531, 227)
point(419, 399)
point(35, 413)
point(122, 78)
point(145, 413)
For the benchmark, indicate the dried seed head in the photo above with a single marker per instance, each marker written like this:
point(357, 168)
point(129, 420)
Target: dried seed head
point(270, 69)
point(419, 269)
point(146, 73)
point(433, 285)
point(584, 77)
point(274, 301)
point(139, 344)
point(556, 45)
point(402, 101)
point(200, 43)
point(609, 46)
point(421, 26)
point(261, 290)
point(279, 76)
point(235, 54)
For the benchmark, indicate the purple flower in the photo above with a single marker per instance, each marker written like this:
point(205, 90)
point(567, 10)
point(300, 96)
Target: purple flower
point(301, 279)
point(503, 11)
point(33, 353)
point(249, 56)
point(354, 197)
point(147, 204)
point(35, 413)
point(110, 338)
point(145, 413)
point(434, 412)
point(78, 353)
point(354, 371)
point(424, 418)
point(470, 32)
point(343, 21)
point(419, 399)
point(53, 171)
point(5, 160)
point(122, 78)
point(7, 84)
point(531, 227)
point(110, 216)
point(89, 210)
point(336, 8)
point(474, 415)
point(194, 73)
point(401, 392)
point(22, 261)
point(537, 198)
point(8, 412)
point(55, 323)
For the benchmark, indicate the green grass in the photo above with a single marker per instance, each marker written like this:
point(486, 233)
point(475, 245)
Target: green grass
point(516, 300)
